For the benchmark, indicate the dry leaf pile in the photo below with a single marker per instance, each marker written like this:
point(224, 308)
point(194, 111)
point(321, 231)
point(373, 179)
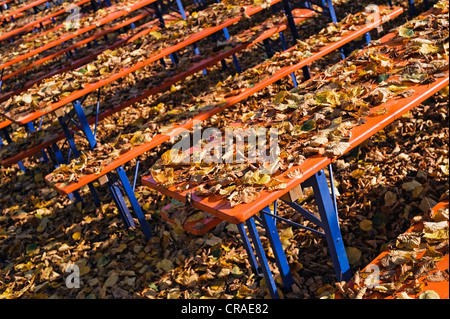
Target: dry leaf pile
point(315, 118)
point(24, 45)
point(164, 119)
point(41, 232)
point(109, 62)
point(414, 256)
point(25, 19)
point(37, 71)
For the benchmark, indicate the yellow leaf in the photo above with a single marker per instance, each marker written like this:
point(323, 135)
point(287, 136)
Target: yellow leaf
point(366, 225)
point(156, 35)
point(76, 236)
point(353, 255)
point(357, 173)
point(38, 177)
point(444, 91)
point(195, 217)
point(279, 97)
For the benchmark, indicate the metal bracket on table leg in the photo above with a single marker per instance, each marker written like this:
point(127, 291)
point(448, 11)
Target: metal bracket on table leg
point(330, 224)
point(63, 121)
point(262, 258)
point(120, 201)
point(268, 222)
point(10, 141)
point(134, 202)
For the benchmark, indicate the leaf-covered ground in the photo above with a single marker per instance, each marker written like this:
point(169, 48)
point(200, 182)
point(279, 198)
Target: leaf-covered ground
point(42, 232)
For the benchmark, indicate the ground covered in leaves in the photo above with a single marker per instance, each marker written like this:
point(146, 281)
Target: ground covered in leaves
point(396, 175)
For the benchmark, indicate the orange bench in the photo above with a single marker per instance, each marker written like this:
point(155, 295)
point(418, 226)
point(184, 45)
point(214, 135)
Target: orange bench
point(386, 280)
point(28, 26)
point(50, 139)
point(312, 174)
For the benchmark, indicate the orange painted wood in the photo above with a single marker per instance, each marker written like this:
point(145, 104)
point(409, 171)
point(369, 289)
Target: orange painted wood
point(27, 117)
point(136, 151)
point(197, 228)
point(161, 138)
point(395, 108)
point(152, 26)
point(442, 287)
point(29, 26)
point(23, 8)
point(76, 45)
point(195, 68)
point(70, 35)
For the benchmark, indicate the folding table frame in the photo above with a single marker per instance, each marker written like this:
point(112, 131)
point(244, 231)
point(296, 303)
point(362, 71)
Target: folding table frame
point(326, 205)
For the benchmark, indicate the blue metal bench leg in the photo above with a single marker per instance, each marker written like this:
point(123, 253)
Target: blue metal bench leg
point(330, 224)
point(84, 124)
point(294, 32)
point(248, 248)
point(134, 203)
point(9, 140)
point(412, 8)
point(269, 224)
point(120, 203)
point(262, 258)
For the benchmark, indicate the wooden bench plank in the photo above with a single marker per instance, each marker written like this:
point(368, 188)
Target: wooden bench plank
point(165, 83)
point(441, 287)
point(394, 108)
point(161, 138)
point(28, 26)
point(114, 12)
point(28, 116)
point(197, 227)
point(73, 46)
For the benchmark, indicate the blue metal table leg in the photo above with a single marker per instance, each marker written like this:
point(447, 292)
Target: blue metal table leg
point(84, 124)
point(134, 203)
point(294, 32)
point(262, 258)
point(249, 249)
point(10, 141)
point(277, 248)
point(412, 8)
point(330, 224)
point(120, 203)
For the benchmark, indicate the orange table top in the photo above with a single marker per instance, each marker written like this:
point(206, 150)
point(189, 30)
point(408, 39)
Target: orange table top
point(441, 287)
point(393, 108)
point(73, 46)
point(26, 117)
point(161, 138)
point(23, 8)
point(70, 35)
point(28, 26)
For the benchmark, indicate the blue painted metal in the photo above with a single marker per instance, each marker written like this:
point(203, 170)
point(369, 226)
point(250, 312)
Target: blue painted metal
point(69, 137)
point(290, 222)
point(94, 194)
point(262, 258)
point(84, 124)
point(333, 192)
point(136, 170)
point(248, 248)
point(134, 203)
point(294, 32)
point(412, 8)
point(9, 141)
point(305, 213)
point(268, 222)
point(97, 111)
point(120, 202)
point(330, 224)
